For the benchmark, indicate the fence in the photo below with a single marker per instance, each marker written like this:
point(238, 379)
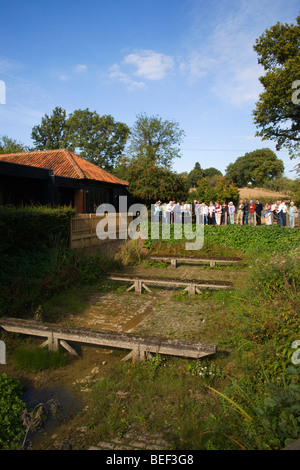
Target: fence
point(84, 229)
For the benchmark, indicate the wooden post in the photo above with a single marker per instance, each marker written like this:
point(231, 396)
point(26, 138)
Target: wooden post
point(138, 286)
point(174, 262)
point(52, 343)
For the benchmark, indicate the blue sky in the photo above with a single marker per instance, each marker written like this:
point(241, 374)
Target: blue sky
point(191, 61)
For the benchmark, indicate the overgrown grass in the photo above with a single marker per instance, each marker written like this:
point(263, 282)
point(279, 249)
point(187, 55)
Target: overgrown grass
point(30, 278)
point(168, 397)
point(30, 358)
point(230, 241)
point(251, 400)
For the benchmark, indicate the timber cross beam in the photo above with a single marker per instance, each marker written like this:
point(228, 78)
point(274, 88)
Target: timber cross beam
point(140, 347)
point(191, 286)
point(186, 260)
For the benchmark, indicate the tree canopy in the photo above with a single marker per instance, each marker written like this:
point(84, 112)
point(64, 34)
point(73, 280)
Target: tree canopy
point(217, 188)
point(153, 144)
point(52, 133)
point(255, 168)
point(8, 145)
point(99, 139)
point(277, 113)
point(195, 175)
point(155, 140)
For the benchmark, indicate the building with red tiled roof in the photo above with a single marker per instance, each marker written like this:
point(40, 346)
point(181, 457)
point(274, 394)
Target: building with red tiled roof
point(57, 177)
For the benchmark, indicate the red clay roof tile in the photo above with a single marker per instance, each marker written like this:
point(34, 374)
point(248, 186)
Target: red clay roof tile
point(63, 162)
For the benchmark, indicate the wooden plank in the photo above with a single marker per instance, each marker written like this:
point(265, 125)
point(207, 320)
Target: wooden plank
point(175, 259)
point(139, 345)
point(172, 282)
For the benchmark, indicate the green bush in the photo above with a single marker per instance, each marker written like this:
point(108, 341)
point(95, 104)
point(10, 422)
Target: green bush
point(276, 275)
point(33, 227)
point(11, 406)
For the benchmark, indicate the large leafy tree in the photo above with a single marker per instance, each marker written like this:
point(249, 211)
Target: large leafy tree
point(195, 175)
point(155, 140)
point(217, 188)
point(255, 168)
point(52, 133)
point(277, 112)
point(149, 183)
point(153, 145)
point(99, 139)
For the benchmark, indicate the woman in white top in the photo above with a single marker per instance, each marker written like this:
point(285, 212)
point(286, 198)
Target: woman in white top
point(211, 213)
point(231, 210)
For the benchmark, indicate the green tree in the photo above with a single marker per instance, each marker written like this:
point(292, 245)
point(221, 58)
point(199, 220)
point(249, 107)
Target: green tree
point(217, 188)
point(99, 139)
point(155, 140)
point(195, 175)
point(255, 168)
point(8, 145)
point(53, 131)
point(277, 113)
point(149, 183)
point(210, 172)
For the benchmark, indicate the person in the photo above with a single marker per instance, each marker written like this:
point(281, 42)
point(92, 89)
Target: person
point(205, 213)
point(156, 211)
point(284, 213)
point(274, 213)
point(186, 212)
point(280, 212)
point(246, 211)
point(268, 214)
point(177, 213)
point(240, 213)
point(218, 211)
point(258, 211)
point(198, 212)
point(194, 211)
point(293, 211)
point(211, 213)
point(251, 209)
point(231, 211)
point(224, 213)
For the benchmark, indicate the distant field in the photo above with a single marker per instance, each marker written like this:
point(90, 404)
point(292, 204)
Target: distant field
point(257, 193)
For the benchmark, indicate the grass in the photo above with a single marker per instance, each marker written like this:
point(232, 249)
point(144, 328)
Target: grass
point(202, 404)
point(33, 359)
point(157, 397)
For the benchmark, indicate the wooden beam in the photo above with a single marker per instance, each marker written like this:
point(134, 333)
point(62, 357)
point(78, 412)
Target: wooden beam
point(192, 286)
point(139, 346)
point(175, 259)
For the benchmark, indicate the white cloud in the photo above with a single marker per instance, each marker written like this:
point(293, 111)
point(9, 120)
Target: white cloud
point(147, 65)
point(116, 73)
point(81, 68)
point(225, 56)
point(150, 65)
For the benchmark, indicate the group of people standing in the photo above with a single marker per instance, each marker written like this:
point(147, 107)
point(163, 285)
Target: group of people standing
point(212, 214)
point(281, 213)
point(217, 213)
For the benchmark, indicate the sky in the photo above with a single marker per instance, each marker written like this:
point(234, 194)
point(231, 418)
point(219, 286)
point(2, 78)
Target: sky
point(188, 61)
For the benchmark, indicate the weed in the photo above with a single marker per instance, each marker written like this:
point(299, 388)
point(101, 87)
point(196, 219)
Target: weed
point(33, 359)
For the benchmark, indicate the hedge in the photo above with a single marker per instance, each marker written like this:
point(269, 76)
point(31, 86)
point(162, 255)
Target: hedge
point(33, 227)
